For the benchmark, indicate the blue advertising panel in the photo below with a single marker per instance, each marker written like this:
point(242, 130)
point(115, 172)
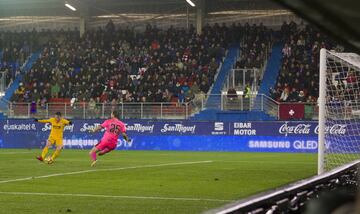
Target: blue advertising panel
point(275, 136)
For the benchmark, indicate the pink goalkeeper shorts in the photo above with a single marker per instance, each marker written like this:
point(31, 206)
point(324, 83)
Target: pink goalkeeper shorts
point(106, 144)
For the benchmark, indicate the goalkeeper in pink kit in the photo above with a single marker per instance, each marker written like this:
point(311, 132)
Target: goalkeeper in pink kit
point(113, 128)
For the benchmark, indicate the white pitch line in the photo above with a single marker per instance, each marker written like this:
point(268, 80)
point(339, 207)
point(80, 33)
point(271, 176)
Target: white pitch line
point(275, 162)
point(114, 196)
point(13, 153)
point(101, 170)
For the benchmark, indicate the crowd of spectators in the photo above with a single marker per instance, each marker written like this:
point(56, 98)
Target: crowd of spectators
point(255, 42)
point(298, 79)
point(122, 65)
point(115, 65)
point(15, 47)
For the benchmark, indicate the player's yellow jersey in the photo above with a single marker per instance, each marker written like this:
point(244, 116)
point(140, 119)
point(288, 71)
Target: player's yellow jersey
point(57, 128)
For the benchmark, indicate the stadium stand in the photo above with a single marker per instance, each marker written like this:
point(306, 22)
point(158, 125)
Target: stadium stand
point(16, 87)
point(177, 60)
point(256, 39)
point(179, 64)
point(299, 72)
point(16, 47)
point(113, 66)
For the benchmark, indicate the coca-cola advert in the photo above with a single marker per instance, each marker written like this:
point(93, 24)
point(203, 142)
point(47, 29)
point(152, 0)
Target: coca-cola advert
point(298, 129)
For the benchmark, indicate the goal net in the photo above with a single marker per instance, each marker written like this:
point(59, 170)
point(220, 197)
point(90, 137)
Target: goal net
point(339, 109)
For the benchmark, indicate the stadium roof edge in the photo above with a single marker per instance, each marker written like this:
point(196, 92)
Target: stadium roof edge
point(339, 19)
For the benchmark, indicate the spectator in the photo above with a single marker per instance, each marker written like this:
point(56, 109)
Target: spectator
point(285, 95)
point(286, 50)
point(204, 87)
point(19, 93)
point(159, 96)
point(195, 88)
point(302, 97)
point(181, 97)
point(247, 91)
point(55, 89)
point(189, 96)
point(167, 96)
point(231, 94)
point(293, 96)
point(92, 108)
point(351, 79)
point(185, 87)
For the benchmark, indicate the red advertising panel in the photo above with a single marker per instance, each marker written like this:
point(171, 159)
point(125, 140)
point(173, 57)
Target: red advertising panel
point(292, 111)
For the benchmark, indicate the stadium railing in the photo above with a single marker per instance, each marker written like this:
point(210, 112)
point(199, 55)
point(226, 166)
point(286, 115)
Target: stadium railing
point(239, 78)
point(4, 105)
point(294, 197)
point(2, 82)
point(237, 102)
point(154, 110)
point(84, 110)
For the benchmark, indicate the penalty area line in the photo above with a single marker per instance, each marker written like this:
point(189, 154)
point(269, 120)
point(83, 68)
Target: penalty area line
point(102, 170)
point(113, 196)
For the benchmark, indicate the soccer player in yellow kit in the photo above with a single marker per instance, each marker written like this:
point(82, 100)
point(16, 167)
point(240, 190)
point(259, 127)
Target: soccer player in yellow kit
point(56, 136)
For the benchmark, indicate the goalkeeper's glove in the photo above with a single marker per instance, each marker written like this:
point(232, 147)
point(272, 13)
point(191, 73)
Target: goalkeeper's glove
point(126, 138)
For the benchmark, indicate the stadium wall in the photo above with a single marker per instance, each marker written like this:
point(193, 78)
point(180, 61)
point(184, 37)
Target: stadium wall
point(274, 136)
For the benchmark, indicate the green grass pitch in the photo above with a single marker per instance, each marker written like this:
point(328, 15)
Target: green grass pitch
point(141, 181)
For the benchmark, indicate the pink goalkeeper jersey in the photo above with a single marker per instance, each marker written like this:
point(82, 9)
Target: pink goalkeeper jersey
point(114, 128)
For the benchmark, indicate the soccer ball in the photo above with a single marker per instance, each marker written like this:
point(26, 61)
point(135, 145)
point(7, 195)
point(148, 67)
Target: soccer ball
point(49, 160)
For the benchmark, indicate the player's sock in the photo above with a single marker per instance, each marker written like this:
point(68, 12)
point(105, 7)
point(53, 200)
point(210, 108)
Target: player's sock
point(93, 156)
point(56, 154)
point(104, 151)
point(44, 152)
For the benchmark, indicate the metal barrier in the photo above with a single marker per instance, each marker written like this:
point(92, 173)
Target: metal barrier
point(4, 106)
point(2, 83)
point(101, 110)
point(223, 102)
point(238, 79)
point(266, 104)
point(236, 102)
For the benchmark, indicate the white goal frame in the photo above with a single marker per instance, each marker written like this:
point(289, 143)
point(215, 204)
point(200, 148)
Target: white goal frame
point(322, 119)
point(347, 58)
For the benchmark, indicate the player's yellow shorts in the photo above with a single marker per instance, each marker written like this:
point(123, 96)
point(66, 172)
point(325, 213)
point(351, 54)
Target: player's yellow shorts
point(57, 142)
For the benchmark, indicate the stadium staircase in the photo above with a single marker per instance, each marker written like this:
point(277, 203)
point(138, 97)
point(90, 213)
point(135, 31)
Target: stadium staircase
point(272, 69)
point(2, 116)
point(25, 68)
point(227, 65)
point(269, 80)
point(15, 84)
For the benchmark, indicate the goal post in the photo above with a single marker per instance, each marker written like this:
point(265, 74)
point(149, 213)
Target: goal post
point(322, 94)
point(339, 109)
